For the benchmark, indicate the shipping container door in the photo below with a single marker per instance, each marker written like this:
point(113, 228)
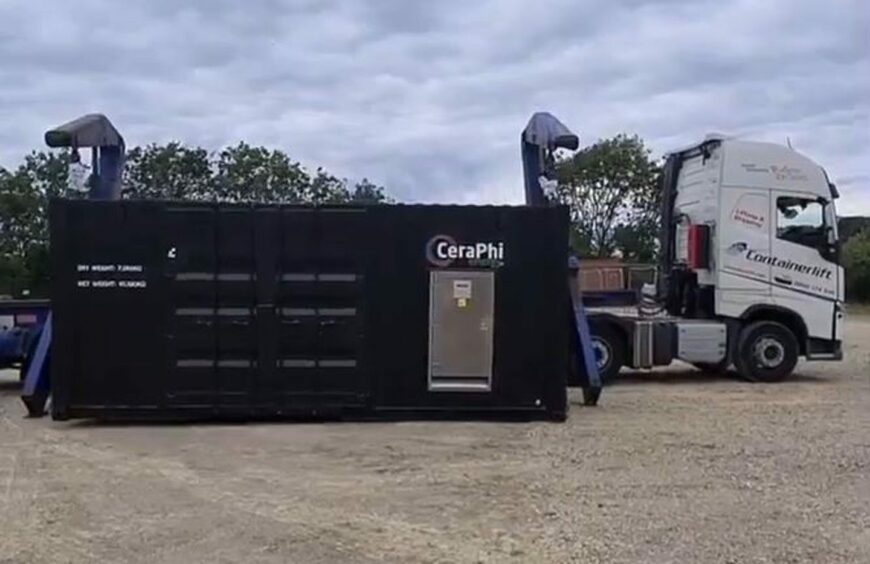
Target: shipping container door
point(191, 268)
point(267, 387)
point(235, 308)
point(108, 312)
point(297, 306)
point(322, 272)
point(343, 235)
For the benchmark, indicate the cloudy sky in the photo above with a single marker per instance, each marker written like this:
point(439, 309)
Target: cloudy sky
point(429, 97)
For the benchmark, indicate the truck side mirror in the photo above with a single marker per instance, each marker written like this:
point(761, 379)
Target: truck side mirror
point(827, 244)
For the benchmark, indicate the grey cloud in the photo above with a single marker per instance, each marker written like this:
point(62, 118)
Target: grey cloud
point(429, 97)
point(855, 179)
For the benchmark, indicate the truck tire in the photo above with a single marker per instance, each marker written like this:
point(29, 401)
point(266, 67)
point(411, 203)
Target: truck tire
point(608, 346)
point(767, 351)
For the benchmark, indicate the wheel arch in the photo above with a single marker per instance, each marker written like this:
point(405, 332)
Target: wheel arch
point(611, 320)
point(779, 314)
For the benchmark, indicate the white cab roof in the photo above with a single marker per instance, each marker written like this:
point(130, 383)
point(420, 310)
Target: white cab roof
point(765, 164)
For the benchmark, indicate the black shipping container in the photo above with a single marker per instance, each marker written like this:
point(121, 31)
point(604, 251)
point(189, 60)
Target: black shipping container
point(173, 309)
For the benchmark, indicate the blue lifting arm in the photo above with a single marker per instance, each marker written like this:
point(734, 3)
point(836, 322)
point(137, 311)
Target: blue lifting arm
point(107, 163)
point(543, 135)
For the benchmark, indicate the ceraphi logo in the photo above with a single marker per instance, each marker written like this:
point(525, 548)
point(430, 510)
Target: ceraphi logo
point(443, 250)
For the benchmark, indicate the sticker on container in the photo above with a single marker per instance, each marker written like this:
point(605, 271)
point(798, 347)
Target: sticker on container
point(462, 289)
point(462, 302)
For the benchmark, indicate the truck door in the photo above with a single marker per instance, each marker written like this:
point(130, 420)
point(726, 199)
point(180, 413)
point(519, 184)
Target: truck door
point(744, 234)
point(804, 271)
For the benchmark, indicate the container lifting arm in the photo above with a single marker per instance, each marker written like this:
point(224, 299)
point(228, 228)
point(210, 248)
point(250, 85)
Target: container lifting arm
point(543, 135)
point(539, 140)
point(107, 151)
point(107, 163)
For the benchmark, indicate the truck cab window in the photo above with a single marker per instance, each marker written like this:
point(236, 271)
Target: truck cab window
point(801, 221)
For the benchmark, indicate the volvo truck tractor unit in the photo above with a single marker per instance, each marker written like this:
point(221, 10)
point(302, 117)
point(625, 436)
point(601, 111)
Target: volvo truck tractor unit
point(750, 272)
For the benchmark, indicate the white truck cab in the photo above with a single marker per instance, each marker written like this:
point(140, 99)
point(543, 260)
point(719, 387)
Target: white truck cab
point(750, 270)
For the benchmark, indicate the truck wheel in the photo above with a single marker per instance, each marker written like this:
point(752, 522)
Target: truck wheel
point(608, 347)
point(766, 352)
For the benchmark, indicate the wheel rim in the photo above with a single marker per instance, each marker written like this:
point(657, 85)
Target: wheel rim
point(769, 352)
point(601, 351)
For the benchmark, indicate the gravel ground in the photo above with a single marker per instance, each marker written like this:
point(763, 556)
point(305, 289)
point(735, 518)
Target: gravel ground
point(673, 466)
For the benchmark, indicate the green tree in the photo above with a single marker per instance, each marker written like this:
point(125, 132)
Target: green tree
point(856, 261)
point(47, 171)
point(366, 192)
point(848, 226)
point(638, 237)
point(324, 188)
point(171, 171)
point(17, 206)
point(611, 191)
point(24, 197)
point(257, 174)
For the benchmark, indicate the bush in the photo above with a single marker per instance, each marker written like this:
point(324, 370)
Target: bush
point(856, 260)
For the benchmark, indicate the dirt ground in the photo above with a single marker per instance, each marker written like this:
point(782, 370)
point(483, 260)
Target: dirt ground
point(673, 466)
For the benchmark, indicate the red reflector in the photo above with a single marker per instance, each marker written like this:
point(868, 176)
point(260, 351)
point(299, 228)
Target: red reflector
point(698, 243)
